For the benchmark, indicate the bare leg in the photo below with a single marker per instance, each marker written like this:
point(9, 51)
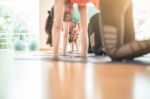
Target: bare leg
point(115, 45)
point(66, 32)
point(57, 26)
point(76, 44)
point(72, 46)
point(84, 35)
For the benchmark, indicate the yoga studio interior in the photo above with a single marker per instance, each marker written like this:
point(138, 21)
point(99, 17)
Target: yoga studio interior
point(117, 64)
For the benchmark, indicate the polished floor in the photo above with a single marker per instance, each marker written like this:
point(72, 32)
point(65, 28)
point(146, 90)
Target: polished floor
point(27, 76)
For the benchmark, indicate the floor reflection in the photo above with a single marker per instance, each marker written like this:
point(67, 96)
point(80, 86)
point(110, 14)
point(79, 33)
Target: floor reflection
point(6, 62)
point(25, 81)
point(66, 81)
point(19, 79)
point(141, 86)
point(114, 82)
point(87, 81)
point(38, 79)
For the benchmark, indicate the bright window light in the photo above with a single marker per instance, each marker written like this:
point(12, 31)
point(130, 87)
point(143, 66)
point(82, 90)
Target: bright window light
point(18, 17)
point(142, 18)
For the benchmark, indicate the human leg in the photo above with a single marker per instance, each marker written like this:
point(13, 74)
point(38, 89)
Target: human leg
point(65, 39)
point(84, 35)
point(129, 33)
point(76, 44)
point(57, 26)
point(112, 18)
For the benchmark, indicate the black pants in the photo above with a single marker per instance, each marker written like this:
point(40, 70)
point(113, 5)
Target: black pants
point(117, 30)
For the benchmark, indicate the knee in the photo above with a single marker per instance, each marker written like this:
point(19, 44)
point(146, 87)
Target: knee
point(65, 35)
point(114, 55)
point(84, 30)
point(57, 27)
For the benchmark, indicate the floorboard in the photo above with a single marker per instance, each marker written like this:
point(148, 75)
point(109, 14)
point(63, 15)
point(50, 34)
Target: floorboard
point(33, 75)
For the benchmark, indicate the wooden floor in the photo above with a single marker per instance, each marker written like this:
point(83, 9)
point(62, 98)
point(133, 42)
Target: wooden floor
point(38, 79)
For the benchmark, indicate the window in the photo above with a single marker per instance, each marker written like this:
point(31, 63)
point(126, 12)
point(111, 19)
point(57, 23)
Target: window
point(141, 10)
point(19, 19)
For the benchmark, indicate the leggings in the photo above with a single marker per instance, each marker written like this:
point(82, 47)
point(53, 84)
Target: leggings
point(117, 30)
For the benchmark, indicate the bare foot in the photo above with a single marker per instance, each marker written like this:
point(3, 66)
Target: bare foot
point(55, 57)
